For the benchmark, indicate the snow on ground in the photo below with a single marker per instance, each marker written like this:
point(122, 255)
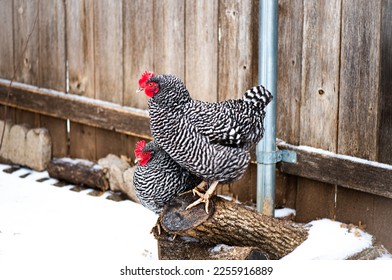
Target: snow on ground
point(284, 212)
point(330, 240)
point(41, 223)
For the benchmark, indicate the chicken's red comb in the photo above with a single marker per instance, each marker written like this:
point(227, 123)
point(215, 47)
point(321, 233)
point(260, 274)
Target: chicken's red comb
point(144, 78)
point(139, 148)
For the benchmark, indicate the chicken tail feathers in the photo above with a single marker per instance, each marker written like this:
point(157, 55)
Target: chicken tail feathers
point(258, 95)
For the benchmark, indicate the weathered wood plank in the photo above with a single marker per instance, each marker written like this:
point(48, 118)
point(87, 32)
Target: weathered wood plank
point(291, 17)
point(201, 24)
point(320, 74)
point(138, 49)
point(26, 56)
point(237, 54)
point(289, 70)
point(52, 64)
point(382, 226)
point(355, 207)
point(385, 110)
point(79, 109)
point(346, 171)
point(169, 37)
point(237, 65)
point(359, 100)
point(6, 49)
point(6, 37)
point(108, 59)
point(80, 56)
point(108, 49)
point(138, 36)
point(319, 100)
point(359, 78)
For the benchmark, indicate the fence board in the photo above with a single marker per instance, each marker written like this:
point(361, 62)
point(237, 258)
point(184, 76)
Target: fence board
point(359, 91)
point(6, 37)
point(108, 59)
point(6, 48)
point(348, 172)
point(25, 13)
point(385, 111)
point(289, 85)
point(138, 48)
point(382, 227)
point(237, 60)
point(80, 57)
point(320, 73)
point(237, 54)
point(359, 86)
point(355, 207)
point(51, 56)
point(169, 37)
point(201, 54)
point(96, 113)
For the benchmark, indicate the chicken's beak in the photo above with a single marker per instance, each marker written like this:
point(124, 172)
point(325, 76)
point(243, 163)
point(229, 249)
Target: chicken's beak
point(137, 160)
point(139, 90)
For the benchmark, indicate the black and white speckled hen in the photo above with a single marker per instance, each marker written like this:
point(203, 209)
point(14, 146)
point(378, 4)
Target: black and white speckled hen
point(158, 178)
point(210, 139)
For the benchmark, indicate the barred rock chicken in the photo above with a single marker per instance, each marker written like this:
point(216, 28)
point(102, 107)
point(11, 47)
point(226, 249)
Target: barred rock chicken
point(158, 178)
point(211, 140)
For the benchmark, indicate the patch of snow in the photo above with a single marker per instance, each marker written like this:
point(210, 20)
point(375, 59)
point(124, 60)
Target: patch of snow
point(78, 161)
point(284, 212)
point(339, 156)
point(41, 223)
point(328, 240)
point(219, 248)
point(189, 239)
point(385, 257)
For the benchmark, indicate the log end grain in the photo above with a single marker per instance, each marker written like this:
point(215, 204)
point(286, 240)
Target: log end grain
point(176, 218)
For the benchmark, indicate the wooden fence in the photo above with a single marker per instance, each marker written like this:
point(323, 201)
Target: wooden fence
point(334, 84)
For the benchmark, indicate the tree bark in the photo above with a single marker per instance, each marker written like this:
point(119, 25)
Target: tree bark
point(182, 248)
point(232, 224)
point(79, 172)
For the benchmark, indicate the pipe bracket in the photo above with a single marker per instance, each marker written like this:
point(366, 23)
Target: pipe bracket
point(277, 156)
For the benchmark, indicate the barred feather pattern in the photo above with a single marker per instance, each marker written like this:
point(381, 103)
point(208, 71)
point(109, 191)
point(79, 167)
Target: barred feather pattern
point(161, 179)
point(237, 123)
point(211, 140)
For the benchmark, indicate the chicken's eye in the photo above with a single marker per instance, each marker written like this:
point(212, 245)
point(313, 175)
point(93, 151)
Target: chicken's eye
point(150, 84)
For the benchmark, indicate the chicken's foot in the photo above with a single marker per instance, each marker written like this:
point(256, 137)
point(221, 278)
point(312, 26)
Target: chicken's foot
point(204, 198)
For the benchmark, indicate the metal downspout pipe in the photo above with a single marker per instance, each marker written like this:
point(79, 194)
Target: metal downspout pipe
point(266, 148)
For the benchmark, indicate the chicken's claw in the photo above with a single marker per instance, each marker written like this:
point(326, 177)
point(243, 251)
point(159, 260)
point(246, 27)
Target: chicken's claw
point(203, 198)
point(200, 200)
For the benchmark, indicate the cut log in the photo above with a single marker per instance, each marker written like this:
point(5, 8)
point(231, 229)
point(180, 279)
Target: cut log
point(232, 224)
point(120, 175)
point(79, 172)
point(182, 248)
